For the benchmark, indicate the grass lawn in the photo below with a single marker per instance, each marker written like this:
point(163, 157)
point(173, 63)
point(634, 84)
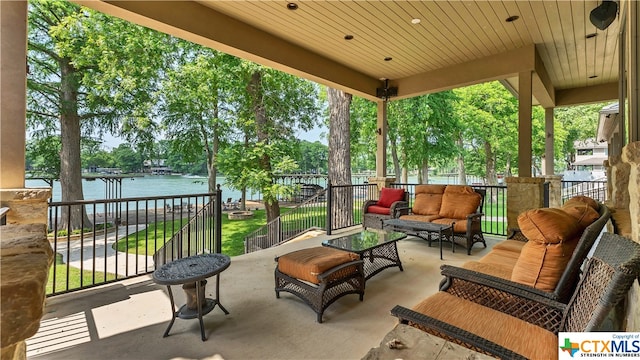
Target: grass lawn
point(74, 277)
point(233, 233)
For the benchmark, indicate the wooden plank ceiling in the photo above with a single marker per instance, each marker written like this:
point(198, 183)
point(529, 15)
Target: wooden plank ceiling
point(420, 46)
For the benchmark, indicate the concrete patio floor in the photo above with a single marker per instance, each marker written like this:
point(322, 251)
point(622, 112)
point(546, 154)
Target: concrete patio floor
point(126, 320)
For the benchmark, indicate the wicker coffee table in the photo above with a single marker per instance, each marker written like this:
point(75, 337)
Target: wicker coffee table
point(377, 248)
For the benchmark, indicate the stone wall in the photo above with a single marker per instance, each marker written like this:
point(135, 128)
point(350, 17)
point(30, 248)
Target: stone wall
point(523, 193)
point(25, 258)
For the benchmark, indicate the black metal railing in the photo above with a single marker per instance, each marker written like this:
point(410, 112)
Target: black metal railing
point(344, 204)
point(119, 237)
point(596, 190)
point(309, 215)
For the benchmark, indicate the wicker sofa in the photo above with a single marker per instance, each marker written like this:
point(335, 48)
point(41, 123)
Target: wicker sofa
point(459, 205)
point(388, 205)
point(526, 325)
point(549, 263)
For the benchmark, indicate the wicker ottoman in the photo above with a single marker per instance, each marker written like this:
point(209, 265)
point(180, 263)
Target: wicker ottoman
point(319, 276)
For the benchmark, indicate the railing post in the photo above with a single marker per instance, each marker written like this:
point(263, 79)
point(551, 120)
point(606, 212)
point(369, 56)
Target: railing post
point(329, 207)
point(218, 221)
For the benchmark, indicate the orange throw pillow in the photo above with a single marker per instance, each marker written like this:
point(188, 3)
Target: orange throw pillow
point(581, 199)
point(583, 213)
point(541, 265)
point(459, 201)
point(548, 225)
point(428, 199)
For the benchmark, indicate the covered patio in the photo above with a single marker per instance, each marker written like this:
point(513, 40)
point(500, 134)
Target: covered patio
point(547, 53)
point(126, 320)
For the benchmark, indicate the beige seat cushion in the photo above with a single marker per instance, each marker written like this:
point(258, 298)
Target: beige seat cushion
point(460, 225)
point(510, 245)
point(307, 264)
point(501, 271)
point(459, 201)
point(519, 336)
point(501, 257)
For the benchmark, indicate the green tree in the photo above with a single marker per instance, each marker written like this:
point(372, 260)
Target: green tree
point(312, 157)
point(43, 157)
point(271, 107)
point(197, 98)
point(579, 123)
point(88, 73)
point(127, 159)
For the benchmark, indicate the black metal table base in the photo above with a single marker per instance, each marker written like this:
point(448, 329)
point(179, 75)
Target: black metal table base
point(202, 309)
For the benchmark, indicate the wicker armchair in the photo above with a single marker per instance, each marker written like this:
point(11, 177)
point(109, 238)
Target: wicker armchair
point(374, 219)
point(608, 275)
point(455, 281)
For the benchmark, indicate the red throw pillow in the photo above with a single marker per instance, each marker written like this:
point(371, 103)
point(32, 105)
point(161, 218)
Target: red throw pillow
point(388, 196)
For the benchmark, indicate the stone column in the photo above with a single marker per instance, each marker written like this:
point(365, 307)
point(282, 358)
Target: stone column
point(523, 193)
point(631, 156)
point(380, 182)
point(555, 190)
point(618, 182)
point(25, 258)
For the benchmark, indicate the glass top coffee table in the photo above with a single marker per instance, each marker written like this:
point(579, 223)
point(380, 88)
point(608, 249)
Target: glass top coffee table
point(377, 248)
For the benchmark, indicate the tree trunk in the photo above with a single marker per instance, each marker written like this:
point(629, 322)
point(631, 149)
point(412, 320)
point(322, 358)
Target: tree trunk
point(394, 157)
point(212, 151)
point(490, 168)
point(424, 170)
point(340, 156)
point(271, 204)
point(462, 173)
point(70, 165)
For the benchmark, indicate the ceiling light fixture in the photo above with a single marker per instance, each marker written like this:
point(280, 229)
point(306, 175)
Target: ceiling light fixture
point(415, 21)
point(348, 37)
point(592, 35)
point(593, 76)
point(388, 58)
point(512, 18)
point(292, 6)
point(604, 14)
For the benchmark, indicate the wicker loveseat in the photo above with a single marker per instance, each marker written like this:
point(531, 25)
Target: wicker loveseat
point(459, 205)
point(374, 212)
point(549, 264)
point(529, 328)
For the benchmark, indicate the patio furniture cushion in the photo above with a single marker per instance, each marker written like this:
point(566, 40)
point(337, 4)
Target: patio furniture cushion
point(581, 199)
point(389, 195)
point(307, 264)
point(498, 270)
point(584, 213)
point(541, 265)
point(460, 225)
point(501, 257)
point(526, 339)
point(548, 225)
point(510, 245)
point(459, 201)
point(428, 199)
point(376, 209)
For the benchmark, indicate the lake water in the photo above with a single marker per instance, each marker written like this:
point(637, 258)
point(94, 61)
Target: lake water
point(165, 185)
point(152, 185)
